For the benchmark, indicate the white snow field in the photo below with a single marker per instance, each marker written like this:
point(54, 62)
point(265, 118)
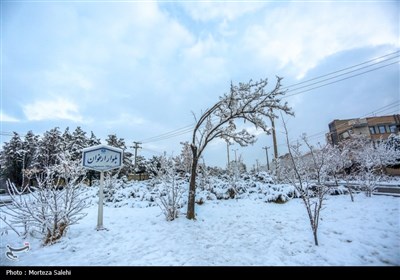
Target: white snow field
point(229, 233)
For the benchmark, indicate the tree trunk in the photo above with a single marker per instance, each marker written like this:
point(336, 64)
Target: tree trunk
point(350, 192)
point(315, 236)
point(192, 187)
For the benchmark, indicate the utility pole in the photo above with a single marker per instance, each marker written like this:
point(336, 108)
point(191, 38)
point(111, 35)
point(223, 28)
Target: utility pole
point(227, 151)
point(136, 147)
point(266, 153)
point(274, 136)
point(235, 155)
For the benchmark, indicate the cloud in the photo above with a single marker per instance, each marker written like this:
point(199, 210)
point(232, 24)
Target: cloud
point(206, 11)
point(299, 36)
point(205, 62)
point(7, 118)
point(138, 69)
point(255, 131)
point(126, 119)
point(67, 76)
point(58, 109)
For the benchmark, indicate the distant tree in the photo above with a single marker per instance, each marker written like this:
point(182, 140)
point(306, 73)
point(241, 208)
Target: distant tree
point(77, 143)
point(50, 146)
point(216, 171)
point(247, 101)
point(183, 161)
point(29, 146)
point(12, 157)
point(66, 140)
point(153, 165)
point(141, 164)
point(114, 141)
point(93, 140)
point(129, 162)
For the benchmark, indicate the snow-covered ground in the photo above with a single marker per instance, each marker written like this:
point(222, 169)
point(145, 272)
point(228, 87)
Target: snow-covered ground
point(228, 232)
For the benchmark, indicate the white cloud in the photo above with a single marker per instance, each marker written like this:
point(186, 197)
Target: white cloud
point(58, 109)
point(206, 62)
point(255, 131)
point(67, 76)
point(7, 118)
point(126, 119)
point(299, 36)
point(206, 11)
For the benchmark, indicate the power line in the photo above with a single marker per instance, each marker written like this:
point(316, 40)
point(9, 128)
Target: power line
point(152, 151)
point(370, 114)
point(393, 112)
point(188, 128)
point(345, 73)
point(167, 134)
point(7, 133)
point(352, 76)
point(341, 70)
point(393, 105)
point(381, 109)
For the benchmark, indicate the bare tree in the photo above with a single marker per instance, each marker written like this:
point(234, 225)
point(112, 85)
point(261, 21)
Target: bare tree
point(170, 193)
point(52, 206)
point(308, 174)
point(248, 101)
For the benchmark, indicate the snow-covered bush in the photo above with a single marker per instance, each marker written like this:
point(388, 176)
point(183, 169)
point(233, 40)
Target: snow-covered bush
point(372, 160)
point(48, 209)
point(170, 190)
point(254, 186)
point(338, 160)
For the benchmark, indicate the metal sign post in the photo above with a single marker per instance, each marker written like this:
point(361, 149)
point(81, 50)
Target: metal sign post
point(101, 196)
point(101, 158)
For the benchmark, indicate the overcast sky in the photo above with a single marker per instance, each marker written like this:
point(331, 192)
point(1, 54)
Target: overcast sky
point(140, 69)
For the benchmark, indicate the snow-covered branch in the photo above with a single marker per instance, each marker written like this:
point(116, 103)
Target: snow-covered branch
point(308, 173)
point(52, 206)
point(247, 101)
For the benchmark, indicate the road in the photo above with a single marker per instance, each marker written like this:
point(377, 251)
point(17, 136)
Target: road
point(389, 189)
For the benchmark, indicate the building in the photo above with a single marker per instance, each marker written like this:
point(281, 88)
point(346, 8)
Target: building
point(372, 127)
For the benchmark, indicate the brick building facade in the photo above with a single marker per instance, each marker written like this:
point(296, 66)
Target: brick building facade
point(373, 127)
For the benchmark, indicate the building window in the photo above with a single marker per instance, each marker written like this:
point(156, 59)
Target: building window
point(372, 130)
point(392, 128)
point(344, 135)
point(382, 129)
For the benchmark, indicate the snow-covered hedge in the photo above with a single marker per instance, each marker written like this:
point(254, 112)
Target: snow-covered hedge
point(119, 193)
point(259, 186)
